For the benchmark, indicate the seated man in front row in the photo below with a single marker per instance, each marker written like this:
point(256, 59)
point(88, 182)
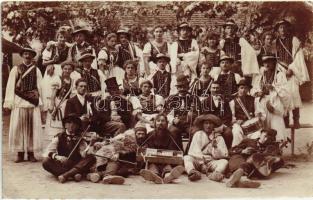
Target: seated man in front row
point(245, 107)
point(255, 157)
point(62, 158)
point(207, 150)
point(161, 138)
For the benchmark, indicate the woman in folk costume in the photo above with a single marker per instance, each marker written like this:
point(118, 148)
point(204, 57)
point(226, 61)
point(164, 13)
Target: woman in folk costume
point(290, 56)
point(211, 54)
point(185, 52)
point(107, 59)
point(131, 81)
point(127, 50)
point(201, 86)
point(267, 46)
point(81, 46)
point(153, 48)
point(61, 91)
point(56, 52)
point(270, 86)
point(23, 98)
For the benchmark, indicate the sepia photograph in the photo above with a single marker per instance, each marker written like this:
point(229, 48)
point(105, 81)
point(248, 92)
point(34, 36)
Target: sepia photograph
point(157, 99)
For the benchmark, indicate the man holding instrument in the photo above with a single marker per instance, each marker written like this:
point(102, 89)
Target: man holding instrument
point(245, 110)
point(207, 150)
point(216, 104)
point(23, 97)
point(66, 156)
point(182, 108)
point(161, 138)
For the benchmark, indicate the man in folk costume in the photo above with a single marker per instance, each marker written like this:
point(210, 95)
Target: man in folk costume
point(116, 158)
point(161, 79)
point(23, 98)
point(107, 59)
point(182, 109)
point(127, 50)
point(185, 52)
point(216, 104)
point(207, 150)
point(271, 87)
point(228, 80)
point(152, 104)
point(94, 77)
point(254, 158)
point(63, 158)
point(81, 47)
point(161, 138)
point(290, 56)
point(230, 43)
point(245, 107)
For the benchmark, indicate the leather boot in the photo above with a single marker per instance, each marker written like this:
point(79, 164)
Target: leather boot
point(31, 157)
point(296, 116)
point(71, 173)
point(20, 157)
point(286, 120)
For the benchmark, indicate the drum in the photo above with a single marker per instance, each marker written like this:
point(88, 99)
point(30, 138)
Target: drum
point(251, 126)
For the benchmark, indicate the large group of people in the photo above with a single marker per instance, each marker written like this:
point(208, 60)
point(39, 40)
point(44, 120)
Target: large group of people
point(224, 104)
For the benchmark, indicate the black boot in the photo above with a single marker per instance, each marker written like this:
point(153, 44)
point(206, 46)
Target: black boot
point(296, 116)
point(286, 120)
point(71, 173)
point(31, 157)
point(20, 157)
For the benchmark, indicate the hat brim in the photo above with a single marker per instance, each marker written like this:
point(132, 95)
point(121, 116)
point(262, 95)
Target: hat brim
point(269, 58)
point(28, 50)
point(163, 57)
point(280, 23)
point(86, 32)
point(86, 57)
point(187, 27)
point(209, 117)
point(230, 59)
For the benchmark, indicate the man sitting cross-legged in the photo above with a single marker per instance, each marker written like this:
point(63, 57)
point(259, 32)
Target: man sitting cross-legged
point(255, 157)
point(63, 159)
point(207, 150)
point(161, 138)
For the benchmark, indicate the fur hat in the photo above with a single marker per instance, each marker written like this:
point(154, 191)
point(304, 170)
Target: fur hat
point(140, 127)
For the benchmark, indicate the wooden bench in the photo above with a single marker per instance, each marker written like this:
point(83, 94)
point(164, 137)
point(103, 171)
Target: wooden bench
point(293, 130)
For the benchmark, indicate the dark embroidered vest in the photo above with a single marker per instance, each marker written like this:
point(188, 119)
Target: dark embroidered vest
point(228, 84)
point(65, 87)
point(282, 53)
point(162, 83)
point(200, 88)
point(131, 88)
point(232, 48)
point(29, 82)
point(154, 52)
point(93, 80)
point(66, 145)
point(62, 53)
point(124, 54)
point(181, 105)
point(184, 46)
point(248, 102)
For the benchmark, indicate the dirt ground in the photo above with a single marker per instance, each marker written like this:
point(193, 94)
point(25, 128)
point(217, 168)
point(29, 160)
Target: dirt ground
point(29, 180)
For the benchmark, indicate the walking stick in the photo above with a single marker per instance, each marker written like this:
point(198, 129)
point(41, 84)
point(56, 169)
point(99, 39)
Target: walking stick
point(80, 139)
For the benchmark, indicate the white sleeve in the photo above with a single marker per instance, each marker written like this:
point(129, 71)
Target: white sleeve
point(103, 55)
point(259, 109)
point(102, 83)
point(232, 108)
point(9, 92)
point(52, 147)
point(221, 150)
point(159, 101)
point(237, 78)
point(196, 145)
point(147, 49)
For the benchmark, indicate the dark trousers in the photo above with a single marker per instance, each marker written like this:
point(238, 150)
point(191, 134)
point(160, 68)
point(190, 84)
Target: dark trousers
point(178, 132)
point(57, 168)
